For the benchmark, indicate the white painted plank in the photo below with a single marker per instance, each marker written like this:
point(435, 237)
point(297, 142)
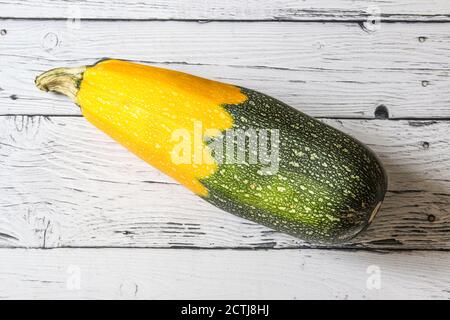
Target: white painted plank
point(64, 183)
point(222, 274)
point(327, 70)
point(335, 10)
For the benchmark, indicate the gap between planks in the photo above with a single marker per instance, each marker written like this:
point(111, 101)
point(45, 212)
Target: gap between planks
point(418, 121)
point(360, 22)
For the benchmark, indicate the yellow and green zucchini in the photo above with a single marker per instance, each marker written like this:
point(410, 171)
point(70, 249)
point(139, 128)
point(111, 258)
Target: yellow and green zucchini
point(313, 181)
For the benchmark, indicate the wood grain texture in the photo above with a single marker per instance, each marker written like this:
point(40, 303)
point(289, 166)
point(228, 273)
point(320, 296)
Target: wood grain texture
point(222, 274)
point(64, 183)
point(305, 10)
point(326, 70)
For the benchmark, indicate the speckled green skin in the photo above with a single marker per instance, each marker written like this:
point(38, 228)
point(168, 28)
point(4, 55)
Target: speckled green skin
point(327, 186)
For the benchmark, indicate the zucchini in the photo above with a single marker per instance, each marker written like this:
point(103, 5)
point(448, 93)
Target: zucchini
point(294, 174)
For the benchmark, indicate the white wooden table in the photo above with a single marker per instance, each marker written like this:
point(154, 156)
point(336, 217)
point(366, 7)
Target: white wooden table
point(117, 228)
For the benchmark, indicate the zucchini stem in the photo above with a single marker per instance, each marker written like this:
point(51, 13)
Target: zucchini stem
point(62, 80)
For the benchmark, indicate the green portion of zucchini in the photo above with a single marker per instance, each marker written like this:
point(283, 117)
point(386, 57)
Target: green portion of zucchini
point(326, 186)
